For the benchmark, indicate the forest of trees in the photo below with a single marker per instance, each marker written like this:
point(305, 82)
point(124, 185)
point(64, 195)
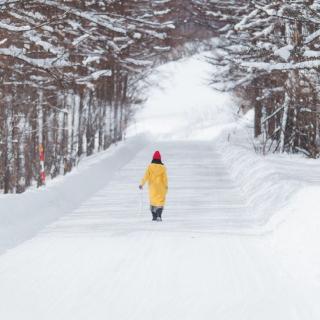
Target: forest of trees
point(69, 72)
point(270, 55)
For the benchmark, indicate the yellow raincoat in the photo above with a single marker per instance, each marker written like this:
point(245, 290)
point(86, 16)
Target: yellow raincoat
point(156, 176)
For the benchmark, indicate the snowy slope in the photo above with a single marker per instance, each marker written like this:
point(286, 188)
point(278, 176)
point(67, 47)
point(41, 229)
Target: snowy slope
point(236, 242)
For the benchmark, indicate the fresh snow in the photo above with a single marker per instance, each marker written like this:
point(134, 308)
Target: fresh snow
point(11, 27)
point(312, 37)
point(239, 239)
point(282, 66)
point(284, 52)
point(95, 76)
point(24, 215)
point(40, 63)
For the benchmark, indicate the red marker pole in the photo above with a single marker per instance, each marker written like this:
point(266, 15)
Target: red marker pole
point(42, 172)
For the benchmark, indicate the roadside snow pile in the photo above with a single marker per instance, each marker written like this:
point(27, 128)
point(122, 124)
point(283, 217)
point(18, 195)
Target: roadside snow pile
point(24, 215)
point(266, 192)
point(297, 239)
point(283, 192)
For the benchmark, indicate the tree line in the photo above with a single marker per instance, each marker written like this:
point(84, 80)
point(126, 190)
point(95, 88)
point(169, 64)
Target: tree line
point(269, 54)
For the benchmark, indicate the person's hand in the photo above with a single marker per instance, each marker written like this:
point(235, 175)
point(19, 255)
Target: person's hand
point(140, 187)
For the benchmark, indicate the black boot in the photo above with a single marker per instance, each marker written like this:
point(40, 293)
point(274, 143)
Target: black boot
point(154, 213)
point(154, 216)
point(159, 214)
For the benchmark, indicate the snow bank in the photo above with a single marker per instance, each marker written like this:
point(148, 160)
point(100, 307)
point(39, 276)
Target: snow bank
point(283, 193)
point(22, 216)
point(266, 192)
point(296, 239)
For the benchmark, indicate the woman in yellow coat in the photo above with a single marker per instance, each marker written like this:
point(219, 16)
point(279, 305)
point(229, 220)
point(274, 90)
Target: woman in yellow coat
point(156, 176)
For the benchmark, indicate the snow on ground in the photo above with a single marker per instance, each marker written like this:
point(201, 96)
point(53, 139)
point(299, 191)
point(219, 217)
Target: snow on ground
point(282, 190)
point(22, 216)
point(239, 240)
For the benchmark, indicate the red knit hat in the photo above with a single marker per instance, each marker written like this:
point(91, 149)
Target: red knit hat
point(157, 156)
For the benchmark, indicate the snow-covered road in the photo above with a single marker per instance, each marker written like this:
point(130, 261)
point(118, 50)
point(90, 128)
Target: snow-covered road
point(108, 260)
point(202, 196)
point(105, 259)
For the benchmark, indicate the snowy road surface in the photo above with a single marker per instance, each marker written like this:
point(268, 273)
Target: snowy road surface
point(202, 196)
point(107, 260)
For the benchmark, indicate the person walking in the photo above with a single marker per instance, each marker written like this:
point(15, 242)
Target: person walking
point(156, 176)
